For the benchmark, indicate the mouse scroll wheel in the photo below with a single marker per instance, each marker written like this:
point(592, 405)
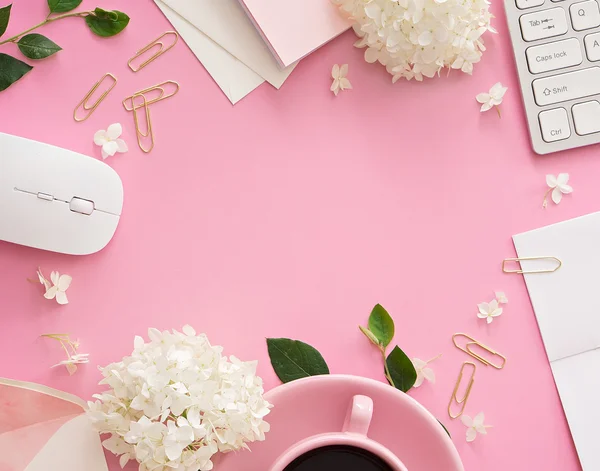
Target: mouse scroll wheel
point(79, 205)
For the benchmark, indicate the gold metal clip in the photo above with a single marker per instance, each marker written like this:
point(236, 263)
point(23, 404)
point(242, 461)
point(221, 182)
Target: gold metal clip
point(158, 90)
point(84, 102)
point(520, 269)
point(468, 350)
point(462, 402)
point(149, 132)
point(161, 50)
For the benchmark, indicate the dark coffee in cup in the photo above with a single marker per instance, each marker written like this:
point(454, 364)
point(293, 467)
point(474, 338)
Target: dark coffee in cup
point(338, 457)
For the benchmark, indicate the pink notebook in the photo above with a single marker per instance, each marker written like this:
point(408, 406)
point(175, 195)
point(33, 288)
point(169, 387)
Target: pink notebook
point(293, 29)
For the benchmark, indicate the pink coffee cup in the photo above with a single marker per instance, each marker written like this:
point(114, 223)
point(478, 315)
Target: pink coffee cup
point(354, 434)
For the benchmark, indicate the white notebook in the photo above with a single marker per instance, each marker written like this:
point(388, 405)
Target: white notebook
point(568, 314)
point(293, 29)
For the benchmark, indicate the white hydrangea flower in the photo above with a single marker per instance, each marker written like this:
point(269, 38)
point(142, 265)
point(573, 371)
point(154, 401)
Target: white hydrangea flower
point(176, 401)
point(418, 38)
point(489, 310)
point(493, 98)
point(558, 186)
point(474, 426)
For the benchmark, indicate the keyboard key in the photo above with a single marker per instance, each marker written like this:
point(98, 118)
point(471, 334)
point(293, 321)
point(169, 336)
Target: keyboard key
point(592, 46)
point(555, 125)
point(585, 15)
point(586, 117)
point(543, 24)
point(569, 86)
point(553, 56)
point(523, 4)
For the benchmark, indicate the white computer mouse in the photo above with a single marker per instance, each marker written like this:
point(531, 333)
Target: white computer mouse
point(55, 199)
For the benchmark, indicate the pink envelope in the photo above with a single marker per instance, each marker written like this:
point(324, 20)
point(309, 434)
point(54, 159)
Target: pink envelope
point(43, 429)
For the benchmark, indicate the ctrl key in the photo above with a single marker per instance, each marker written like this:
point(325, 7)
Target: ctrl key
point(555, 125)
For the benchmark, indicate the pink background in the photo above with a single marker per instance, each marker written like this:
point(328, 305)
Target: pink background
point(292, 214)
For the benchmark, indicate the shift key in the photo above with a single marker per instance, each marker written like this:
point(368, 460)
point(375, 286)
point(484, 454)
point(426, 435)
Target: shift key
point(569, 86)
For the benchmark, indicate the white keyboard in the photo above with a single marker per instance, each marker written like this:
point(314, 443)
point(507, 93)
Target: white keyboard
point(557, 49)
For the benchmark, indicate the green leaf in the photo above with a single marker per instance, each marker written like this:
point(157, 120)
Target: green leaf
point(374, 340)
point(62, 6)
point(107, 23)
point(292, 359)
point(401, 369)
point(11, 70)
point(36, 46)
point(444, 427)
point(4, 17)
point(381, 325)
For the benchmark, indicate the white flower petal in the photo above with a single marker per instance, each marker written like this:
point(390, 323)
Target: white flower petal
point(419, 380)
point(489, 319)
point(343, 70)
point(565, 189)
point(51, 293)
point(483, 97)
point(110, 148)
point(345, 84)
point(335, 71)
point(121, 146)
point(484, 308)
point(114, 131)
point(61, 297)
point(466, 420)
point(100, 138)
point(551, 181)
point(478, 419)
point(429, 375)
point(64, 282)
point(556, 195)
point(563, 178)
point(471, 434)
point(485, 107)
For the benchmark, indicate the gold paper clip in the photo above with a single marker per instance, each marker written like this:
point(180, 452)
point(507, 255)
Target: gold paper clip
point(149, 132)
point(520, 269)
point(467, 349)
point(161, 50)
point(84, 103)
point(157, 89)
point(462, 402)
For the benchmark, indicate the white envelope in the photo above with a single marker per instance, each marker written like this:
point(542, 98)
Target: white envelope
point(226, 23)
point(566, 307)
point(233, 77)
point(42, 429)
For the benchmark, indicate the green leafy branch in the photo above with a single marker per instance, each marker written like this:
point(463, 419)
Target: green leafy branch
point(293, 359)
point(34, 46)
point(399, 370)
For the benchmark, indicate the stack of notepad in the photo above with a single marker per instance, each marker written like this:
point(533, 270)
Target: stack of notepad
point(247, 42)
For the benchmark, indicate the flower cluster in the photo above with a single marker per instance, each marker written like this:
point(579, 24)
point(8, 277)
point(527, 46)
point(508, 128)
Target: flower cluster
point(417, 38)
point(176, 401)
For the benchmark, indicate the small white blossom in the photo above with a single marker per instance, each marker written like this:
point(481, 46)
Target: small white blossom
point(340, 81)
point(176, 401)
point(558, 187)
point(423, 371)
point(418, 38)
point(489, 310)
point(110, 140)
point(474, 426)
point(493, 98)
point(57, 288)
point(501, 297)
point(70, 348)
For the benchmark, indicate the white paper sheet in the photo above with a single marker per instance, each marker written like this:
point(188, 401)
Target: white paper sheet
point(226, 23)
point(567, 310)
point(231, 75)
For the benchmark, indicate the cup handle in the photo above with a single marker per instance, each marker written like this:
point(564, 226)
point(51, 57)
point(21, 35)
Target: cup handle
point(358, 417)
